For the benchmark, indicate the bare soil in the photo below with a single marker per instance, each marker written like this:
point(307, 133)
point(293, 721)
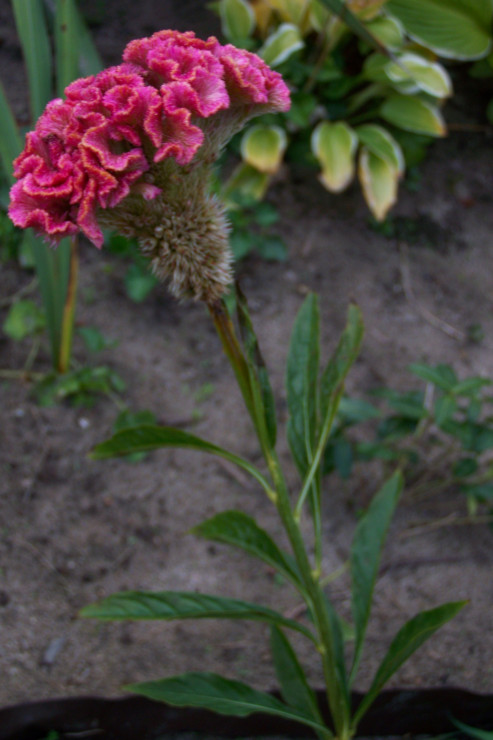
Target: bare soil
point(73, 530)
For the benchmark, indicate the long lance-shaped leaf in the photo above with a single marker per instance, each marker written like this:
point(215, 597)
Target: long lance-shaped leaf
point(291, 677)
point(10, 138)
point(302, 383)
point(409, 638)
point(240, 530)
point(218, 694)
point(169, 605)
point(259, 376)
point(147, 437)
point(75, 51)
point(340, 8)
point(365, 557)
point(33, 34)
point(331, 388)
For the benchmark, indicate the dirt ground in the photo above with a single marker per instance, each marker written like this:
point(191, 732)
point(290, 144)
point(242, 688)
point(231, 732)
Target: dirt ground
point(73, 530)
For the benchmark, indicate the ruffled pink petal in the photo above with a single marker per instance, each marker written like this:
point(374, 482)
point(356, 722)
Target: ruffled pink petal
point(27, 211)
point(250, 80)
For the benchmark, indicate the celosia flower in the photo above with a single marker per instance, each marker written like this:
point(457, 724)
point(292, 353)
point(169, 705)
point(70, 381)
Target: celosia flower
point(131, 148)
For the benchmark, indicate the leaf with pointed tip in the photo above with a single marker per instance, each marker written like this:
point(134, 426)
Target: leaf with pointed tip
point(240, 530)
point(409, 638)
point(302, 383)
point(334, 145)
point(366, 552)
point(237, 19)
point(281, 44)
point(218, 694)
point(291, 677)
point(379, 181)
point(169, 605)
point(263, 147)
point(147, 437)
point(413, 114)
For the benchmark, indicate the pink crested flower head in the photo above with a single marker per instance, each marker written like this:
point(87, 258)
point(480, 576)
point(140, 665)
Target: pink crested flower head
point(130, 146)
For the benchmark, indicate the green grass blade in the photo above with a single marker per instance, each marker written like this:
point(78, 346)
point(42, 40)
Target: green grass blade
point(10, 138)
point(33, 34)
point(67, 42)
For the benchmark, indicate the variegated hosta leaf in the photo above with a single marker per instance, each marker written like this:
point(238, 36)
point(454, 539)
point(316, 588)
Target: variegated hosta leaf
point(378, 140)
point(430, 77)
point(458, 29)
point(334, 145)
point(237, 18)
point(365, 9)
point(389, 31)
point(319, 15)
point(413, 114)
point(291, 11)
point(281, 44)
point(379, 182)
point(263, 147)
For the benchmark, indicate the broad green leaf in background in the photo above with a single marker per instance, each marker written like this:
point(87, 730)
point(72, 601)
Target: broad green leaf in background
point(459, 29)
point(31, 27)
point(280, 45)
point(413, 114)
point(263, 147)
point(389, 31)
point(340, 8)
point(292, 680)
point(247, 181)
point(430, 77)
point(10, 138)
point(237, 19)
point(378, 141)
point(240, 530)
point(76, 54)
point(222, 695)
point(24, 320)
point(409, 638)
point(334, 145)
point(302, 383)
point(147, 437)
point(379, 181)
point(169, 605)
point(366, 552)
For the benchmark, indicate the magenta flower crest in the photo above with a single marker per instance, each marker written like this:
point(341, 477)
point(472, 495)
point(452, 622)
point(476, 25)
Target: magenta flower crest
point(133, 145)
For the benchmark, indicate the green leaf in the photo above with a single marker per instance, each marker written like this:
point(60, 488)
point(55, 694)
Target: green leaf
point(33, 34)
point(294, 687)
point(441, 375)
point(23, 320)
point(302, 383)
point(66, 44)
point(10, 138)
point(281, 44)
point(379, 181)
point(334, 145)
point(378, 141)
point(430, 77)
point(218, 694)
point(409, 638)
point(340, 8)
point(94, 339)
point(237, 19)
point(240, 530)
point(169, 605)
point(247, 181)
point(459, 29)
point(263, 147)
point(259, 376)
point(366, 552)
point(272, 248)
point(389, 31)
point(445, 408)
point(413, 114)
point(147, 437)
point(473, 732)
point(139, 282)
point(343, 358)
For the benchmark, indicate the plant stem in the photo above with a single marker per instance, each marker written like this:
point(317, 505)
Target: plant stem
point(67, 327)
point(311, 590)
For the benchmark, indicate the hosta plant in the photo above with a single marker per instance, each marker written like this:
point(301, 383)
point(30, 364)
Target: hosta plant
point(132, 148)
point(368, 86)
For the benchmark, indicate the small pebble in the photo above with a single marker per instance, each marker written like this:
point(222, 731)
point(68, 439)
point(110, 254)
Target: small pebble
point(84, 423)
point(51, 652)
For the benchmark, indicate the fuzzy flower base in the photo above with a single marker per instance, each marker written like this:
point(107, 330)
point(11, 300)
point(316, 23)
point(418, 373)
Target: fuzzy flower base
point(132, 148)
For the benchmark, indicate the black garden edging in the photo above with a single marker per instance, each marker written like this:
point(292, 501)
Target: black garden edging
point(396, 712)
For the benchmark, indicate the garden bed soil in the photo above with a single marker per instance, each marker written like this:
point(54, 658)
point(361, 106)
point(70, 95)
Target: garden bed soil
point(73, 530)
